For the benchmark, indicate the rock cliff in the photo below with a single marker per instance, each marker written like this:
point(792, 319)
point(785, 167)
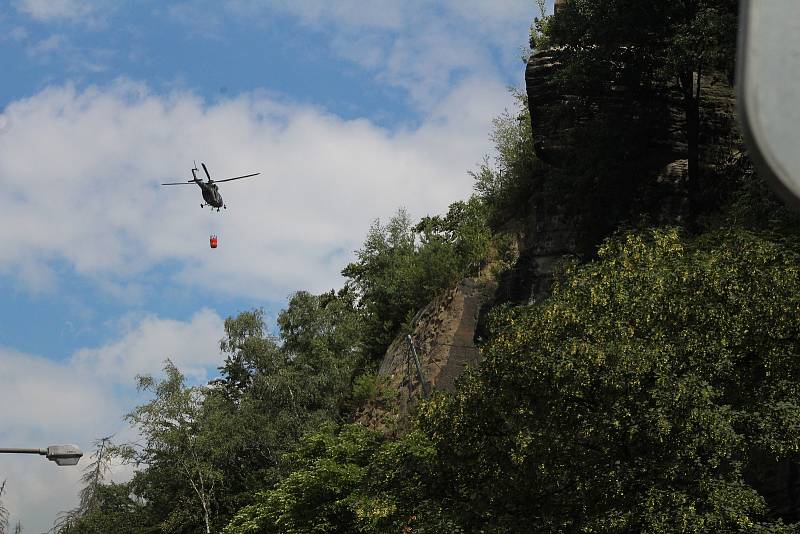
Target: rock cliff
point(582, 198)
point(443, 335)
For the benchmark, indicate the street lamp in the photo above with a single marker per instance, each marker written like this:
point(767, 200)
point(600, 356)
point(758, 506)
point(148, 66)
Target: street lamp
point(60, 454)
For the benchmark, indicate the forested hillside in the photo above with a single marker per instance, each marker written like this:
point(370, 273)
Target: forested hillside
point(640, 363)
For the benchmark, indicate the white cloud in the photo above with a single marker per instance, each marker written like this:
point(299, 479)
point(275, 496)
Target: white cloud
point(46, 403)
point(48, 45)
point(48, 10)
point(42, 394)
point(80, 173)
point(487, 15)
point(16, 34)
point(147, 342)
point(60, 47)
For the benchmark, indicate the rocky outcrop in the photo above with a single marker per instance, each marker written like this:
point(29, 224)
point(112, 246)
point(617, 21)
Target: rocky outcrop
point(443, 335)
point(583, 198)
point(550, 107)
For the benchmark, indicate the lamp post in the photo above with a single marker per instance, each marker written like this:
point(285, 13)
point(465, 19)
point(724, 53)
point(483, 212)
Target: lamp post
point(60, 454)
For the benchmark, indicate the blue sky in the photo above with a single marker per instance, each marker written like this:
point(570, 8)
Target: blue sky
point(349, 110)
point(214, 52)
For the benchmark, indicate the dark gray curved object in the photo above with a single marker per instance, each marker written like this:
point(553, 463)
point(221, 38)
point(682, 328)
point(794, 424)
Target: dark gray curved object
point(768, 91)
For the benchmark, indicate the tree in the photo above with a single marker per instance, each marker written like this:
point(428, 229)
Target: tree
point(401, 267)
point(636, 399)
point(383, 278)
point(318, 328)
point(248, 352)
point(351, 480)
point(207, 450)
point(116, 510)
point(174, 444)
point(289, 389)
point(505, 185)
point(462, 240)
point(326, 472)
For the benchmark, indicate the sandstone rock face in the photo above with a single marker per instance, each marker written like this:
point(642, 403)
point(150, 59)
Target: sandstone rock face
point(549, 107)
point(563, 118)
point(443, 336)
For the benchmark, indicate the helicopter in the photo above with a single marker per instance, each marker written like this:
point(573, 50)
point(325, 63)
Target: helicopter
point(209, 188)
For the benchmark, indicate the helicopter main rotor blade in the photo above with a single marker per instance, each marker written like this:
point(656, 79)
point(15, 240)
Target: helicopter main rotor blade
point(204, 168)
point(181, 183)
point(237, 178)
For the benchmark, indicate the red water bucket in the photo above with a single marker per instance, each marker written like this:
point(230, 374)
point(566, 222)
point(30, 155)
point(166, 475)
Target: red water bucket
point(213, 241)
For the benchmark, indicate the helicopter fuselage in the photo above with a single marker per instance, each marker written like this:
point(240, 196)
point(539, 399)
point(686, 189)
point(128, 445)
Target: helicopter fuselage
point(210, 194)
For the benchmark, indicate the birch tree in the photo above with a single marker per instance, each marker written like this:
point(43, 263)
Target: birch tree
point(171, 430)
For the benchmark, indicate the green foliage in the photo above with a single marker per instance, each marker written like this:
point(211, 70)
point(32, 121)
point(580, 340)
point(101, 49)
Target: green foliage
point(404, 488)
point(177, 452)
point(754, 205)
point(668, 36)
point(384, 276)
point(463, 234)
point(365, 388)
point(402, 267)
point(505, 185)
point(326, 470)
point(350, 481)
point(636, 398)
point(248, 352)
point(540, 29)
point(207, 450)
point(298, 386)
point(320, 326)
point(116, 510)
